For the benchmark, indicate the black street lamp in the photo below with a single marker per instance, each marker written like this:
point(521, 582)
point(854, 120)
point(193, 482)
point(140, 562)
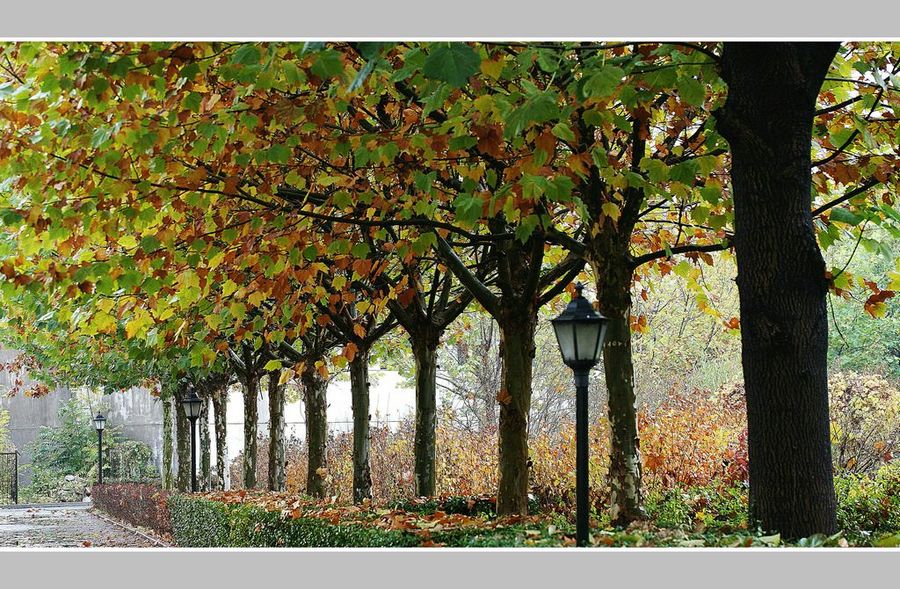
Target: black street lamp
point(580, 332)
point(99, 424)
point(191, 404)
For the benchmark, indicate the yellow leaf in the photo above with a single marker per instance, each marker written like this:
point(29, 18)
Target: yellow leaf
point(611, 210)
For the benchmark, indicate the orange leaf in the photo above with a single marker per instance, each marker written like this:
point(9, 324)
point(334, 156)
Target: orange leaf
point(504, 397)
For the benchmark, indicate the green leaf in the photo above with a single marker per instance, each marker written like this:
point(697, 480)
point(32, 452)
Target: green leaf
point(328, 64)
point(246, 55)
point(272, 365)
point(604, 83)
point(842, 215)
point(691, 91)
point(892, 541)
point(453, 63)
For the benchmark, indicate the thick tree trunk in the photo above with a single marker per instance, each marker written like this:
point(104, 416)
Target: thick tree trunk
point(767, 119)
point(168, 483)
point(203, 481)
point(359, 392)
point(314, 399)
point(517, 350)
point(220, 411)
point(425, 354)
point(183, 437)
point(251, 416)
point(613, 280)
point(276, 433)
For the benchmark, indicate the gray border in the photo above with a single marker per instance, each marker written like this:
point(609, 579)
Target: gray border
point(435, 569)
point(426, 569)
point(716, 19)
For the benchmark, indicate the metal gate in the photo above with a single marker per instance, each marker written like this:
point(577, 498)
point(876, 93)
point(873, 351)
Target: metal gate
point(9, 477)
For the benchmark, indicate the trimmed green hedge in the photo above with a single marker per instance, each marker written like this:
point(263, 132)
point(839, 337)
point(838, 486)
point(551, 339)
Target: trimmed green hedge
point(201, 522)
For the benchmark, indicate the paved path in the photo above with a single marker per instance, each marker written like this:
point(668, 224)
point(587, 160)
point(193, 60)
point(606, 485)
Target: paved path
point(62, 526)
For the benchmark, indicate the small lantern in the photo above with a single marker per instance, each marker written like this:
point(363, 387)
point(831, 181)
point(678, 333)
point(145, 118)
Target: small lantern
point(99, 422)
point(191, 404)
point(580, 332)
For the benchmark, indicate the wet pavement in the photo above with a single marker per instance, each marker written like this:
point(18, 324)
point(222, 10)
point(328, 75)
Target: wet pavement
point(57, 526)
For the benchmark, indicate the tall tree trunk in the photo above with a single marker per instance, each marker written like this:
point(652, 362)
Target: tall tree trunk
point(168, 483)
point(314, 399)
point(767, 119)
point(220, 411)
point(183, 437)
point(359, 392)
point(517, 350)
point(203, 483)
point(425, 354)
point(613, 280)
point(276, 432)
point(251, 416)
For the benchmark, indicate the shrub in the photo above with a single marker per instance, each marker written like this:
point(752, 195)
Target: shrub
point(141, 504)
point(197, 521)
point(865, 421)
point(869, 505)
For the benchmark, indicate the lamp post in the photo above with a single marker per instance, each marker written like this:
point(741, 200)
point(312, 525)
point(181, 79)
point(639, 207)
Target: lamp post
point(580, 332)
point(191, 404)
point(99, 424)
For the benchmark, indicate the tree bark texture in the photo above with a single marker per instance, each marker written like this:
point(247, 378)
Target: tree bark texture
point(251, 416)
point(220, 410)
point(168, 483)
point(183, 438)
point(517, 349)
point(613, 275)
point(314, 400)
point(359, 391)
point(425, 354)
point(767, 119)
point(205, 457)
point(276, 432)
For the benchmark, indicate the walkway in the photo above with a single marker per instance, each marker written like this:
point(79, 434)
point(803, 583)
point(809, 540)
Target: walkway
point(59, 526)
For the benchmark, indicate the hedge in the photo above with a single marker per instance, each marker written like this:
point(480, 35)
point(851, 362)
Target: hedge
point(200, 522)
point(140, 504)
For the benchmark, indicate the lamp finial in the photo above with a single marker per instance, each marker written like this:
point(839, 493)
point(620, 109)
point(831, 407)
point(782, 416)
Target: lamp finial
point(579, 288)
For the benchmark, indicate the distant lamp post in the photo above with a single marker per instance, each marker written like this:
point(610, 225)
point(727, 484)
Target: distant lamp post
point(191, 404)
point(580, 332)
point(99, 425)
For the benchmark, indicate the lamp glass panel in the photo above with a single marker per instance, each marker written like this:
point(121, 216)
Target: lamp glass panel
point(586, 334)
point(99, 423)
point(565, 336)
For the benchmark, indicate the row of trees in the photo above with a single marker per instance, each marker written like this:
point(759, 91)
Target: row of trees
point(185, 211)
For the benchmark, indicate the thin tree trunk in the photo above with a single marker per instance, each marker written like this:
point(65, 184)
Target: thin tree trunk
point(276, 432)
point(220, 410)
point(204, 446)
point(613, 280)
point(359, 392)
point(314, 399)
point(517, 350)
point(767, 120)
point(251, 416)
point(183, 438)
point(168, 483)
point(425, 353)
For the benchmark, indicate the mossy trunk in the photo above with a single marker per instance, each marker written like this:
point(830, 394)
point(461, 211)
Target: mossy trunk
point(314, 400)
point(167, 481)
point(425, 354)
point(183, 438)
point(205, 447)
point(251, 417)
point(276, 432)
point(517, 350)
point(220, 412)
point(359, 392)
